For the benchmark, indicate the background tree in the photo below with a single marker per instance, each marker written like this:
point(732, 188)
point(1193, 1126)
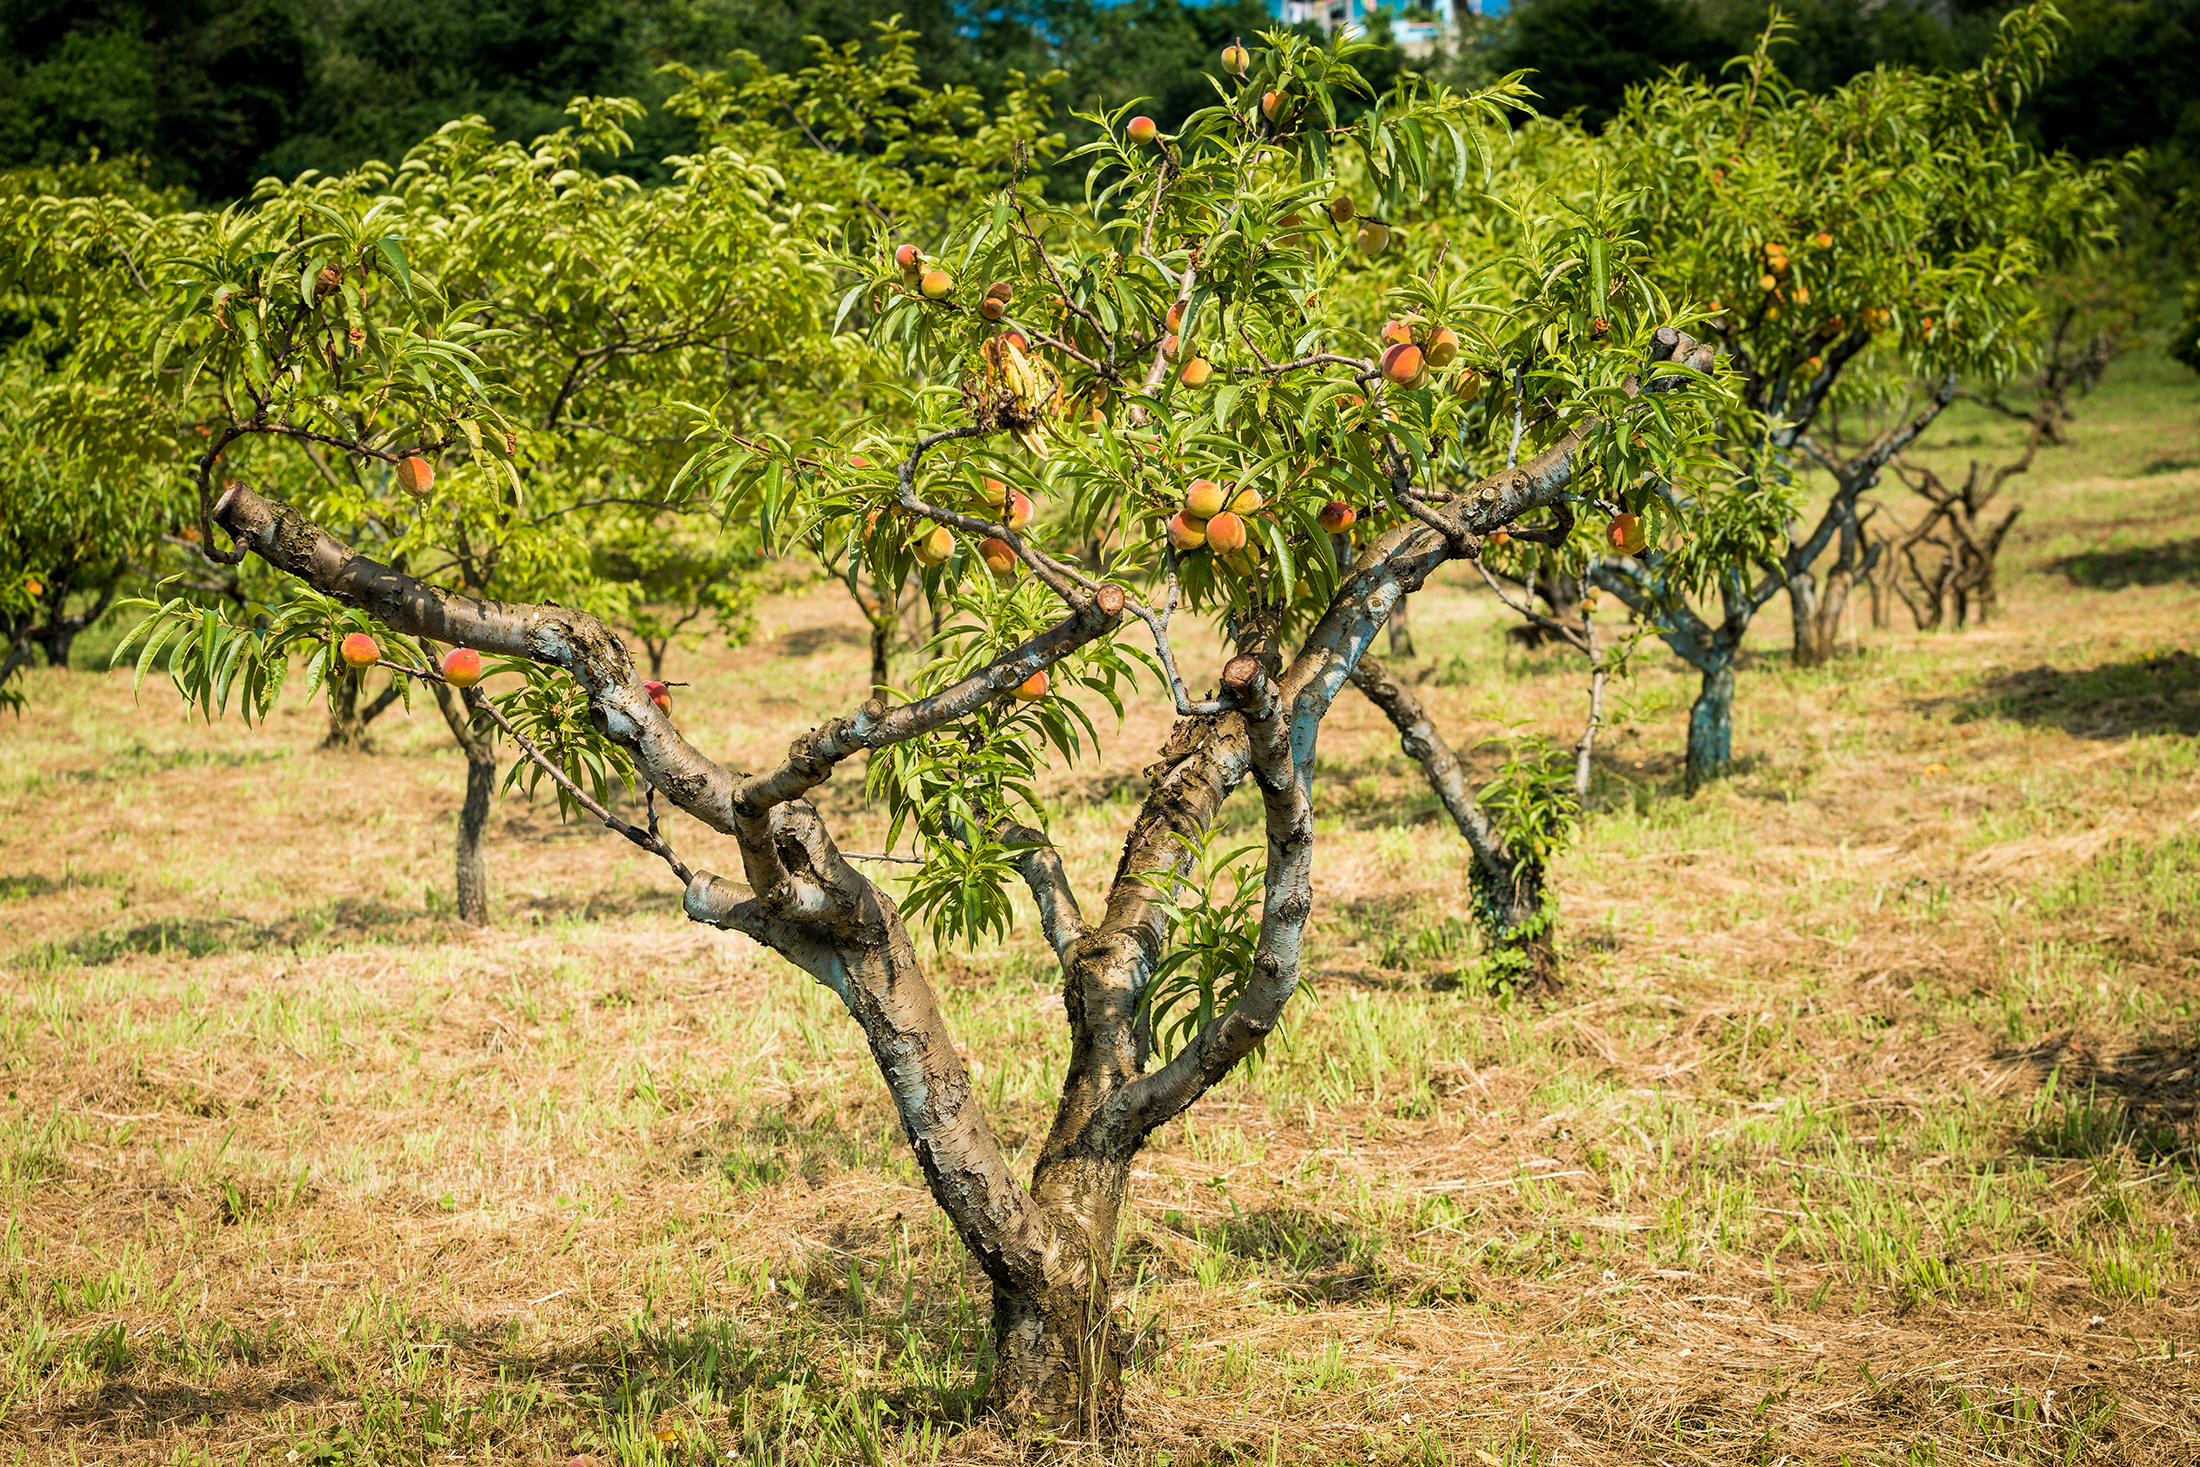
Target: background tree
point(1866, 250)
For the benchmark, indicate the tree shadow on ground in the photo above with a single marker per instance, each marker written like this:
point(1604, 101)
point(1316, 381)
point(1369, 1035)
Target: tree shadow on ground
point(200, 937)
point(2144, 1098)
point(2137, 565)
point(2143, 695)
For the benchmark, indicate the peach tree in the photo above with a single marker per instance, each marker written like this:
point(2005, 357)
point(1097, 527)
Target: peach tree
point(1848, 259)
point(480, 362)
point(1167, 402)
point(1857, 255)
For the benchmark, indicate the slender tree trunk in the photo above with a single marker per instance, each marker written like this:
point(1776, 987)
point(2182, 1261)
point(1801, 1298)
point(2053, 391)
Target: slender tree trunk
point(472, 874)
point(1587, 746)
point(1401, 634)
point(1711, 724)
point(1811, 646)
point(345, 730)
point(347, 718)
point(882, 638)
point(1512, 887)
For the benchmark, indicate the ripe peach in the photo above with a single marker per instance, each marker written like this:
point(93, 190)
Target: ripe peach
point(660, 695)
point(1467, 386)
point(1273, 105)
point(1225, 533)
point(1443, 347)
point(1196, 372)
point(1175, 318)
point(908, 256)
point(1769, 282)
point(1374, 238)
point(993, 492)
point(1396, 333)
point(462, 667)
point(1017, 339)
point(1236, 60)
point(1246, 501)
point(1186, 531)
point(1336, 517)
point(359, 650)
point(998, 557)
point(1204, 499)
point(993, 308)
point(1019, 510)
point(1822, 239)
point(416, 476)
point(936, 284)
point(1143, 130)
point(1625, 534)
point(1001, 290)
point(1402, 363)
point(1169, 344)
point(933, 546)
point(1031, 689)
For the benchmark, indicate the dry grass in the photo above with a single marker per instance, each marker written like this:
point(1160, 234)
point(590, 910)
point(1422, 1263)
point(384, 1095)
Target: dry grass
point(1864, 1131)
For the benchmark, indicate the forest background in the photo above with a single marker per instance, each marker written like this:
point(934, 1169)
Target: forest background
point(215, 94)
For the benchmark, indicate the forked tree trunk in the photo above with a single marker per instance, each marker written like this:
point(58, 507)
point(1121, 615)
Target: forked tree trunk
point(1046, 1250)
point(472, 866)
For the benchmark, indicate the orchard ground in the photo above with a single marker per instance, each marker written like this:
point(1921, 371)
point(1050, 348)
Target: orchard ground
point(1863, 1131)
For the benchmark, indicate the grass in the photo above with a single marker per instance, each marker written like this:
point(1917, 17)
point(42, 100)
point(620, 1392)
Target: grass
point(1864, 1131)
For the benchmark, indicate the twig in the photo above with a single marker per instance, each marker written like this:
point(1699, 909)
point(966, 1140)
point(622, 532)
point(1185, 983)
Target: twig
point(648, 840)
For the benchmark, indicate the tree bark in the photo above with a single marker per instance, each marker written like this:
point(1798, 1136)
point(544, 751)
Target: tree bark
point(1811, 649)
point(472, 866)
point(1512, 888)
point(1401, 632)
point(347, 720)
point(1711, 724)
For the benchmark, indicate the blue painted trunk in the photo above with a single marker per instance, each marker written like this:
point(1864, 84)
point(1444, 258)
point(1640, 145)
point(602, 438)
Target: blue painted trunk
point(1711, 723)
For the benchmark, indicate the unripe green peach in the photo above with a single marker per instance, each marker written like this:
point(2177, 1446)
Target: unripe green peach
point(1374, 238)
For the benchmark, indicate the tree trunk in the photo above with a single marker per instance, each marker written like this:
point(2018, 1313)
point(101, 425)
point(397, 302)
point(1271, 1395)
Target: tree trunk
point(472, 874)
point(1812, 646)
point(1058, 1354)
point(1401, 635)
point(1508, 891)
point(346, 731)
point(882, 635)
point(1711, 725)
